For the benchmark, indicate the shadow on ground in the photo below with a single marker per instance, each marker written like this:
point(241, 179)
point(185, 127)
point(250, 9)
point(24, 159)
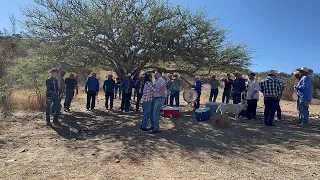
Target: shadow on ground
point(184, 135)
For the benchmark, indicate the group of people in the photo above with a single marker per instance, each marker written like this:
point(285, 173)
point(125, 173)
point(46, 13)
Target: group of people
point(166, 91)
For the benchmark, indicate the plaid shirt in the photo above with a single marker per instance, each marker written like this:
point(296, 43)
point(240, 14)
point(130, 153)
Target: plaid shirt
point(282, 82)
point(147, 92)
point(271, 87)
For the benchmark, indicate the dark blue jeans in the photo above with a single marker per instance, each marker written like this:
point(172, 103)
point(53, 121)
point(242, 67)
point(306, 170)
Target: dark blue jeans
point(53, 105)
point(236, 96)
point(270, 108)
point(111, 96)
point(226, 96)
point(68, 100)
point(213, 94)
point(174, 95)
point(125, 101)
point(197, 102)
point(147, 110)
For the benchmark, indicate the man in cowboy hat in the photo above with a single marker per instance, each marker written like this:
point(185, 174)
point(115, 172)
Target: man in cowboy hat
point(214, 84)
point(283, 86)
point(238, 87)
point(175, 87)
point(271, 89)
point(126, 86)
point(304, 92)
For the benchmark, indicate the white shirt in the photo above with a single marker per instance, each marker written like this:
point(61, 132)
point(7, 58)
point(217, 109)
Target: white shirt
point(158, 84)
point(253, 86)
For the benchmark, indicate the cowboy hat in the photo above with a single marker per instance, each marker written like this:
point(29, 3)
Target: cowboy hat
point(296, 72)
point(272, 72)
point(129, 74)
point(237, 72)
point(304, 69)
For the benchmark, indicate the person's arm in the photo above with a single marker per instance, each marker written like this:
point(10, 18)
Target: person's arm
point(262, 87)
point(97, 86)
point(76, 87)
point(48, 94)
point(86, 86)
point(162, 90)
point(104, 86)
point(256, 88)
point(302, 84)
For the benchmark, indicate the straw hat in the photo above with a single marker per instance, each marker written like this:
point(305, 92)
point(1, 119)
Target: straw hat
point(129, 75)
point(303, 69)
point(296, 72)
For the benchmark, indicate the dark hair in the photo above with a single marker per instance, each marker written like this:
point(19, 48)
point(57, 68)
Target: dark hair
point(252, 74)
point(147, 77)
point(54, 70)
point(228, 74)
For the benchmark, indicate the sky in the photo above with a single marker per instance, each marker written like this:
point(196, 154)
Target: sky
point(283, 34)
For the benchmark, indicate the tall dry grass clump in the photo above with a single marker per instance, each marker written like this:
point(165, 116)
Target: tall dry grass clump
point(27, 100)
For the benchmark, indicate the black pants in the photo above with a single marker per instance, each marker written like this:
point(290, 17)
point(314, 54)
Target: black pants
point(279, 111)
point(111, 96)
point(271, 105)
point(139, 96)
point(125, 101)
point(236, 97)
point(252, 108)
point(214, 94)
point(197, 102)
point(91, 99)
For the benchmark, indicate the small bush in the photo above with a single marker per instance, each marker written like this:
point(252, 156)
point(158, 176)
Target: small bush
point(27, 100)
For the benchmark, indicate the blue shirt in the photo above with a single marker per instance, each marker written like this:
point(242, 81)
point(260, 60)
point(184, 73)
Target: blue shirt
point(138, 87)
point(92, 84)
point(305, 89)
point(127, 85)
point(239, 85)
point(198, 86)
point(109, 85)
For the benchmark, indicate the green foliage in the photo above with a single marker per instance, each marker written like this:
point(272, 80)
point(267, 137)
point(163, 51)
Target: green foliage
point(130, 35)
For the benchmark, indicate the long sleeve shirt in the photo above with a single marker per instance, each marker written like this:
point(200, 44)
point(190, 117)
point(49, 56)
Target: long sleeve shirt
point(198, 86)
point(253, 89)
point(214, 83)
point(139, 86)
point(61, 84)
point(127, 85)
point(271, 88)
point(52, 88)
point(92, 84)
point(305, 89)
point(175, 85)
point(109, 85)
point(239, 85)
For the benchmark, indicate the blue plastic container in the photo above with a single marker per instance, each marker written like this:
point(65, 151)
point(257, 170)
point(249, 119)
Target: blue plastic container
point(213, 106)
point(203, 114)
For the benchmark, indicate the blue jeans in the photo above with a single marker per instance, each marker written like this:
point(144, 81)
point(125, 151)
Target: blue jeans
point(236, 98)
point(69, 98)
point(146, 106)
point(213, 94)
point(156, 106)
point(55, 106)
point(174, 95)
point(303, 107)
point(226, 96)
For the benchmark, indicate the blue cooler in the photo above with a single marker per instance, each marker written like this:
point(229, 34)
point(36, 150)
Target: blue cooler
point(203, 114)
point(213, 106)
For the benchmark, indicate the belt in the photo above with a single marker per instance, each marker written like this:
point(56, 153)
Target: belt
point(159, 97)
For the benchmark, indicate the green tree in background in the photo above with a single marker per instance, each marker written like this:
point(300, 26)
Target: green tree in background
point(130, 35)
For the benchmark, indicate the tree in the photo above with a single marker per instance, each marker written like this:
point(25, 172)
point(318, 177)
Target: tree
point(131, 35)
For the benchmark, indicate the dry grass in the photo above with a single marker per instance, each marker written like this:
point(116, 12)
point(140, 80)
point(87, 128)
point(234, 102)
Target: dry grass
point(27, 100)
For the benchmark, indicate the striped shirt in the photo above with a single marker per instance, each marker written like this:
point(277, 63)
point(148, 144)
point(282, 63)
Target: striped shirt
point(147, 92)
point(271, 87)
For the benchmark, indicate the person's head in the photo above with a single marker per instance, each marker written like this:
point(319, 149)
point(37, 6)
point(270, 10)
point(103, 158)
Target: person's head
point(213, 77)
point(170, 76)
point(229, 76)
point(141, 78)
point(297, 75)
point(147, 77)
point(238, 75)
point(272, 73)
point(197, 78)
point(72, 76)
point(252, 76)
point(54, 72)
point(110, 76)
point(157, 74)
point(62, 73)
point(128, 76)
point(93, 74)
point(303, 71)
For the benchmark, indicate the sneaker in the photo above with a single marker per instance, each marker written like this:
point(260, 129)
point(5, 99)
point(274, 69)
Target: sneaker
point(48, 123)
point(56, 122)
point(154, 131)
point(151, 128)
point(144, 129)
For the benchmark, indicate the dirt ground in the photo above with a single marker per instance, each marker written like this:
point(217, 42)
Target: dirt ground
point(100, 145)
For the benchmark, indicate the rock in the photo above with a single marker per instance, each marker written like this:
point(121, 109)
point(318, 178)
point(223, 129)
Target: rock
point(24, 150)
point(11, 160)
point(93, 154)
point(117, 161)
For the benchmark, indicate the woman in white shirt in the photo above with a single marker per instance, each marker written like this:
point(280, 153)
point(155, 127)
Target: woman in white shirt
point(252, 95)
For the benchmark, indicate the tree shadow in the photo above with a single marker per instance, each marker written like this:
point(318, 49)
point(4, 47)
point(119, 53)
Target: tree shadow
point(184, 135)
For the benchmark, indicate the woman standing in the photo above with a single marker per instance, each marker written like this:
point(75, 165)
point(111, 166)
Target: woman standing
point(252, 95)
point(147, 98)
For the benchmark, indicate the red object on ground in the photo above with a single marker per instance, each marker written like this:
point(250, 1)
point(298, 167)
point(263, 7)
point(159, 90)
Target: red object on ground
point(171, 112)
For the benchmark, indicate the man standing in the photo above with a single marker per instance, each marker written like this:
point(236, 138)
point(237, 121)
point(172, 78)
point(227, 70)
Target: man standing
point(214, 83)
point(271, 89)
point(283, 86)
point(109, 87)
point(304, 92)
point(139, 91)
point(92, 90)
point(61, 83)
point(227, 89)
point(158, 101)
point(71, 85)
point(126, 86)
point(175, 87)
point(252, 95)
point(169, 80)
point(118, 88)
point(197, 87)
point(238, 87)
point(53, 97)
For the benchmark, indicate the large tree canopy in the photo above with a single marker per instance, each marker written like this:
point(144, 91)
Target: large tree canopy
point(131, 35)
